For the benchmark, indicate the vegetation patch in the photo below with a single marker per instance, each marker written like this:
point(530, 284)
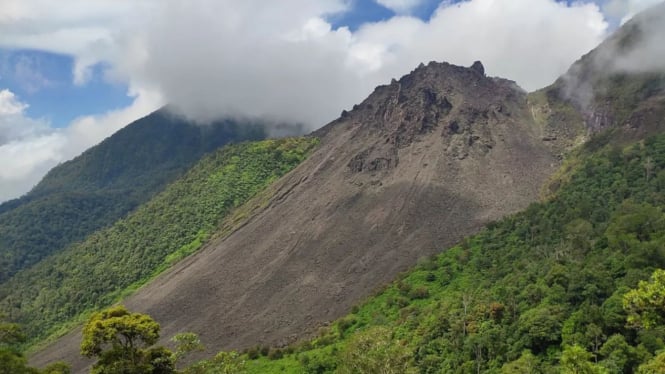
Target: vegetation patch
point(114, 262)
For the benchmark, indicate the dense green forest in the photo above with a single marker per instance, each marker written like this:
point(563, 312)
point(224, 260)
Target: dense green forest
point(544, 291)
point(172, 225)
point(106, 182)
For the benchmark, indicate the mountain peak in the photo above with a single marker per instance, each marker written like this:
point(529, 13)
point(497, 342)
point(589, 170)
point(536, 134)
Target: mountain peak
point(621, 83)
point(478, 66)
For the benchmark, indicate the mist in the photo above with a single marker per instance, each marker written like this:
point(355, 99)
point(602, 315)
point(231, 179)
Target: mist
point(212, 59)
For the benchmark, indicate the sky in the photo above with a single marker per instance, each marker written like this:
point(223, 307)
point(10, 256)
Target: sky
point(73, 72)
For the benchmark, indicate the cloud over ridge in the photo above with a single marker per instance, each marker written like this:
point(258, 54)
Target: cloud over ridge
point(283, 60)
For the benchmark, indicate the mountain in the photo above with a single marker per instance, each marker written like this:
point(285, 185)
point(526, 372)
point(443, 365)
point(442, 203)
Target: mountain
point(620, 86)
point(172, 225)
point(538, 292)
point(106, 182)
point(420, 164)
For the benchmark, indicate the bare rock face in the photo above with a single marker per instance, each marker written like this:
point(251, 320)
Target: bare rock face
point(418, 165)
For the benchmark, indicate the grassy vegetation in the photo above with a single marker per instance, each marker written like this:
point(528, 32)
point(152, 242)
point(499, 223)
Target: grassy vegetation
point(113, 262)
point(106, 182)
point(538, 292)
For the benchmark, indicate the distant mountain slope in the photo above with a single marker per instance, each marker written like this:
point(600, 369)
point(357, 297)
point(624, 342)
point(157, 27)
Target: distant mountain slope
point(176, 222)
point(620, 85)
point(105, 182)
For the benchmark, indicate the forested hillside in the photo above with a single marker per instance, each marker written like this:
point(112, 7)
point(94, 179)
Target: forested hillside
point(106, 182)
point(539, 292)
point(113, 261)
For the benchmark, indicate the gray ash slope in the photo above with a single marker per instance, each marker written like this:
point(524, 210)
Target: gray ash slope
point(418, 165)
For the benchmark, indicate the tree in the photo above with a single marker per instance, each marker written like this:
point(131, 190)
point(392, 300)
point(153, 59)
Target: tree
point(222, 363)
point(12, 360)
point(121, 340)
point(374, 351)
point(646, 304)
point(186, 343)
point(576, 360)
point(526, 364)
point(654, 366)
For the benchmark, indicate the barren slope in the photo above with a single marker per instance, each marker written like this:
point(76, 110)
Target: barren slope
point(419, 164)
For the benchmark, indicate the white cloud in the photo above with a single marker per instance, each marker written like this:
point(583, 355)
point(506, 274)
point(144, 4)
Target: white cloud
point(400, 6)
point(9, 104)
point(283, 61)
point(30, 147)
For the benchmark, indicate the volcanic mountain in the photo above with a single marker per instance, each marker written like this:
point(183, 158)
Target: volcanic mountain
point(421, 163)
point(418, 165)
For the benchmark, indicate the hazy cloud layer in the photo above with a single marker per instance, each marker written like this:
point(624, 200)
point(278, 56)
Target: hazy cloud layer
point(281, 60)
point(648, 55)
point(623, 10)
point(284, 61)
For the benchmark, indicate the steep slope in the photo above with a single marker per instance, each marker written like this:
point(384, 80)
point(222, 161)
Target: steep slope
point(619, 86)
point(159, 233)
point(104, 183)
point(419, 164)
point(522, 292)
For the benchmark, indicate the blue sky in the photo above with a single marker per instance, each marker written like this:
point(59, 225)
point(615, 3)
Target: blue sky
point(45, 81)
point(73, 72)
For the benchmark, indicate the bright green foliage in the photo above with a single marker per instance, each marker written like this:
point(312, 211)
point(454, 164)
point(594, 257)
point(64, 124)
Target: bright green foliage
point(646, 304)
point(653, 366)
point(526, 364)
point(172, 225)
point(576, 360)
point(186, 343)
point(537, 292)
point(375, 352)
point(222, 363)
point(106, 182)
point(57, 368)
point(121, 340)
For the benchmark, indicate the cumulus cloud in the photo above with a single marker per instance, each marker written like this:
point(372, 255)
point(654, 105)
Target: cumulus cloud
point(27, 147)
point(284, 61)
point(30, 147)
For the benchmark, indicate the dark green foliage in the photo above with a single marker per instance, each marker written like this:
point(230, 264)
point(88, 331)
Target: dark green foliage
point(12, 359)
point(172, 225)
point(106, 182)
point(275, 354)
point(541, 291)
